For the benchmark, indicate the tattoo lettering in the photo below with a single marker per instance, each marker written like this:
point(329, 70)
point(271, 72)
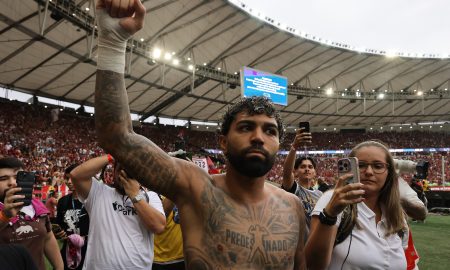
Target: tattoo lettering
point(238, 239)
point(249, 237)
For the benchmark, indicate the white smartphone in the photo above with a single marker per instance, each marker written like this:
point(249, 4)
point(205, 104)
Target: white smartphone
point(349, 165)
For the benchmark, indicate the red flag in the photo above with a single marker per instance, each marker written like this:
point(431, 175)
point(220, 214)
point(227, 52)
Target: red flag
point(209, 162)
point(211, 167)
point(412, 257)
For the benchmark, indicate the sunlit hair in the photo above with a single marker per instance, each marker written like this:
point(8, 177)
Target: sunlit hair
point(389, 196)
point(251, 105)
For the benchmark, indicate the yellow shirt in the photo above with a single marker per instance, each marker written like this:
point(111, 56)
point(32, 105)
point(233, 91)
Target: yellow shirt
point(169, 244)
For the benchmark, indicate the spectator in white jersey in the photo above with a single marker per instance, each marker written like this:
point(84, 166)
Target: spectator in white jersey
point(123, 218)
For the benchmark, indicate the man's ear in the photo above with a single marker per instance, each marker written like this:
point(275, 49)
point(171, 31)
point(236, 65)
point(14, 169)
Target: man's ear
point(223, 143)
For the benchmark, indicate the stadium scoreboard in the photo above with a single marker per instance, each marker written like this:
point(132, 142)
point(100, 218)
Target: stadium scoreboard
point(260, 83)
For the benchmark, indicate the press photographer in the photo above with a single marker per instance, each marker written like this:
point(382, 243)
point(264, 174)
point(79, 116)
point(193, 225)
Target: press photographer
point(413, 197)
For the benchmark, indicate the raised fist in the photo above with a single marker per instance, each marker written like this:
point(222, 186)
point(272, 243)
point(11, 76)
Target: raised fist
point(129, 13)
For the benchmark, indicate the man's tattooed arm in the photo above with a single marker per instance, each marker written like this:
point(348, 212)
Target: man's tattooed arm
point(142, 159)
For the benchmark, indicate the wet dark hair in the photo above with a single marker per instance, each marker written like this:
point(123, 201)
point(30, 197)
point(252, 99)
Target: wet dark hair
point(70, 168)
point(299, 161)
point(10, 163)
point(251, 105)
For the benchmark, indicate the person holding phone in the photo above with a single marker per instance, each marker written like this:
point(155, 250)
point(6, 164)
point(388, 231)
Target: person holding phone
point(360, 225)
point(72, 219)
point(298, 174)
point(28, 225)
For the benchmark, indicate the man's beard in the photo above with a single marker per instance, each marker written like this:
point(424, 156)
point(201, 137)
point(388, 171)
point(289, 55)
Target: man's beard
point(119, 188)
point(251, 166)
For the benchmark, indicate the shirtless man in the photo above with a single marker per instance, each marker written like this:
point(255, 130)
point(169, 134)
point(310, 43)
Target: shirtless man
point(229, 221)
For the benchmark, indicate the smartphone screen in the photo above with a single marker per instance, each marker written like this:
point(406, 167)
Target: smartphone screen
point(304, 126)
point(349, 165)
point(25, 180)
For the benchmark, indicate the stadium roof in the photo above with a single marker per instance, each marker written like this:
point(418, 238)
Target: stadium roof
point(54, 56)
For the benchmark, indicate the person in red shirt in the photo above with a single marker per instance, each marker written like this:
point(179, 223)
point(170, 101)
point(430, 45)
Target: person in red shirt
point(51, 204)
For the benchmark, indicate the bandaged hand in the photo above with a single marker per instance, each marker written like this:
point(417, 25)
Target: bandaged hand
point(111, 34)
point(118, 21)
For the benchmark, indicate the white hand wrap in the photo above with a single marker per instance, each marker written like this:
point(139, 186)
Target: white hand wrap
point(112, 43)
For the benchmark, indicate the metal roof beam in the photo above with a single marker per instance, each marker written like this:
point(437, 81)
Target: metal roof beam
point(184, 50)
point(257, 62)
point(149, 41)
point(46, 60)
point(199, 81)
point(342, 71)
point(195, 100)
point(318, 68)
point(281, 69)
point(424, 76)
point(368, 75)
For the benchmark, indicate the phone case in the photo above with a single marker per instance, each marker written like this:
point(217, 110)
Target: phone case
point(304, 126)
point(349, 165)
point(25, 180)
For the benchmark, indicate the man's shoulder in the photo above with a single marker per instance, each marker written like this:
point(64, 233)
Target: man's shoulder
point(313, 191)
point(64, 199)
point(281, 193)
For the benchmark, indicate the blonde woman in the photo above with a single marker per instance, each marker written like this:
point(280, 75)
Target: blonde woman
point(360, 225)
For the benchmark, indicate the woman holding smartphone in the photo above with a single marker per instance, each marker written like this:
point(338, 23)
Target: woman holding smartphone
point(360, 225)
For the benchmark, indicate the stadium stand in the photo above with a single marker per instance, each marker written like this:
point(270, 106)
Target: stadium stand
point(48, 146)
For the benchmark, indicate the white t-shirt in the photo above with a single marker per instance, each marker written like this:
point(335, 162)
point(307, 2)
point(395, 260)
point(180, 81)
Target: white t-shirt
point(369, 249)
point(117, 237)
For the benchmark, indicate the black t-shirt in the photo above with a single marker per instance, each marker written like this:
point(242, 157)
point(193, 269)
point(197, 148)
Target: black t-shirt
point(72, 216)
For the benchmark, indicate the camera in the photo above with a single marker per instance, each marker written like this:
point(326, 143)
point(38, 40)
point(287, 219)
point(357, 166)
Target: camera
point(419, 169)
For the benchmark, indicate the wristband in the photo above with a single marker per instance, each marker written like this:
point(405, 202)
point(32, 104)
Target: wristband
point(326, 219)
point(112, 43)
point(110, 159)
point(4, 218)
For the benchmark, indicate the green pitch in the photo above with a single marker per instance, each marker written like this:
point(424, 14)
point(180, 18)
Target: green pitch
point(432, 241)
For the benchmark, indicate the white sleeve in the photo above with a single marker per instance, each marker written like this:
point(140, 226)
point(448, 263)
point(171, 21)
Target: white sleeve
point(155, 202)
point(407, 193)
point(322, 203)
point(94, 192)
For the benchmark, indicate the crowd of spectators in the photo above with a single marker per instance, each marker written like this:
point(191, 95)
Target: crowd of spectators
point(48, 144)
point(327, 167)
